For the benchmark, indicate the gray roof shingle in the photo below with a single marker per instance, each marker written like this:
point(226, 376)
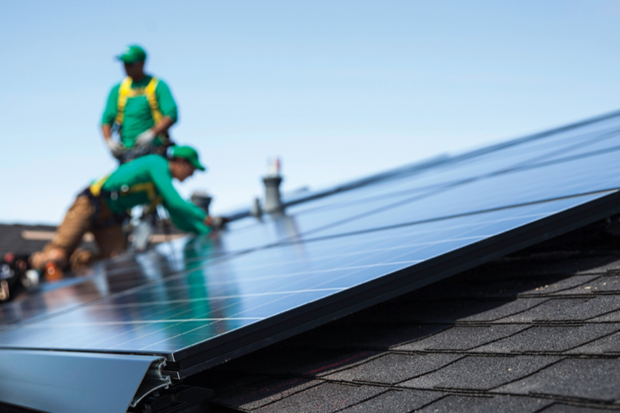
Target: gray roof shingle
point(590, 379)
point(481, 372)
point(522, 334)
point(504, 404)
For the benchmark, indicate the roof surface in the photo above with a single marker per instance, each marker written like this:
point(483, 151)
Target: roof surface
point(538, 331)
point(12, 240)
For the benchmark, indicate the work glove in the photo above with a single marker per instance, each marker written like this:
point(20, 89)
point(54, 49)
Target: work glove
point(216, 223)
point(145, 138)
point(115, 147)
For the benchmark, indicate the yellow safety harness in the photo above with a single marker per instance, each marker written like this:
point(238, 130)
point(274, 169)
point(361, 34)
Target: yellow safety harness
point(95, 187)
point(148, 187)
point(125, 92)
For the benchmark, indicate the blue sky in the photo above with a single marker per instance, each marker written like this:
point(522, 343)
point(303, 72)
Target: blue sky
point(337, 89)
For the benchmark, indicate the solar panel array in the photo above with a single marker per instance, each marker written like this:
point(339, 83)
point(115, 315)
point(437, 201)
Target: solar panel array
point(201, 300)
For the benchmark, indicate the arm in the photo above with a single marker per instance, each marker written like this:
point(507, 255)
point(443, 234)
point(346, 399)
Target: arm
point(184, 215)
point(107, 120)
point(167, 106)
point(109, 113)
point(163, 125)
point(106, 131)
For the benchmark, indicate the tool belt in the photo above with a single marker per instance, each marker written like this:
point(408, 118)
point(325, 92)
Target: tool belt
point(137, 152)
point(97, 221)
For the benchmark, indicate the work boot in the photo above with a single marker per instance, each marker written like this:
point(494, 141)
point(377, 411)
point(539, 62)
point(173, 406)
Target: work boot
point(16, 274)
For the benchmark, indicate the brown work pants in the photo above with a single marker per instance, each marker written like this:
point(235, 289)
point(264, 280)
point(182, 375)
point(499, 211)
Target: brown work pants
point(79, 219)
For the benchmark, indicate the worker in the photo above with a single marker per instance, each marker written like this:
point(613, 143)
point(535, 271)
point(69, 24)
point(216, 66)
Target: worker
point(101, 208)
point(140, 108)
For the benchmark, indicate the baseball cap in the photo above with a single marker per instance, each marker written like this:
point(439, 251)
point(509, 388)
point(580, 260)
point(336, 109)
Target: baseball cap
point(132, 54)
point(188, 153)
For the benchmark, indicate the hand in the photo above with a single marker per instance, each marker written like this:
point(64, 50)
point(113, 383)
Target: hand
point(115, 147)
point(216, 223)
point(145, 138)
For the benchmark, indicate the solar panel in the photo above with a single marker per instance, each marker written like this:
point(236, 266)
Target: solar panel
point(203, 300)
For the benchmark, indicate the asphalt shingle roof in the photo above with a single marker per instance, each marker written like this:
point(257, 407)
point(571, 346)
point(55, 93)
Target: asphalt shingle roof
point(535, 332)
point(12, 240)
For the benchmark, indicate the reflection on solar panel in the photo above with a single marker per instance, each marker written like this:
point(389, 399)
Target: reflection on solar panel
point(208, 299)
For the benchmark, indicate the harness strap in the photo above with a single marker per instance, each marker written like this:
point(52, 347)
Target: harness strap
point(152, 99)
point(95, 187)
point(125, 92)
point(95, 192)
point(147, 187)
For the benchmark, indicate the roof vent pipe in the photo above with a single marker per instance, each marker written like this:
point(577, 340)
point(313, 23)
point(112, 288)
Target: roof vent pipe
point(272, 187)
point(202, 199)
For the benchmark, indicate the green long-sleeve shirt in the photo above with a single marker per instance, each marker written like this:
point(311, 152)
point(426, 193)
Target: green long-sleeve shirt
point(137, 116)
point(145, 180)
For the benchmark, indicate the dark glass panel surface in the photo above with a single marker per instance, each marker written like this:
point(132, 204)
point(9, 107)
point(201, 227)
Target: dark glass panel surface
point(581, 176)
point(207, 298)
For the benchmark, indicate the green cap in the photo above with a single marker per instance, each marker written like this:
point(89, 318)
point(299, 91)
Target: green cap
point(188, 153)
point(132, 54)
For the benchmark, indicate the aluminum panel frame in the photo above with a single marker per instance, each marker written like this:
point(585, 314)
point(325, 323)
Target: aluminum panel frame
point(75, 382)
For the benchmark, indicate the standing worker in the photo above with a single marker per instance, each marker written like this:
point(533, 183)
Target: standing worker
point(100, 209)
point(140, 108)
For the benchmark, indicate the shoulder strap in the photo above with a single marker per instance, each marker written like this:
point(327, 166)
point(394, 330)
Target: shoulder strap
point(95, 188)
point(152, 98)
point(124, 91)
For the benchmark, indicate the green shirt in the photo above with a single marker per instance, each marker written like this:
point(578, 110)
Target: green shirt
point(137, 116)
point(146, 179)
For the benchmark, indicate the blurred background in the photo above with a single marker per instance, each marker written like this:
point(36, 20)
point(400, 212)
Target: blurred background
point(336, 89)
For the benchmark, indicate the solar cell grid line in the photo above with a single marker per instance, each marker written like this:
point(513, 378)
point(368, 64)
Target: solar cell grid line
point(173, 339)
point(342, 253)
point(66, 294)
point(524, 152)
point(589, 125)
point(606, 139)
point(121, 274)
point(358, 251)
point(501, 158)
point(594, 125)
point(238, 241)
point(368, 195)
point(327, 254)
point(547, 159)
point(583, 175)
point(498, 160)
point(280, 262)
point(507, 169)
point(504, 151)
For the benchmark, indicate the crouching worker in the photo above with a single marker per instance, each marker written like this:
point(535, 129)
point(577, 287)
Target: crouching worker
point(103, 206)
